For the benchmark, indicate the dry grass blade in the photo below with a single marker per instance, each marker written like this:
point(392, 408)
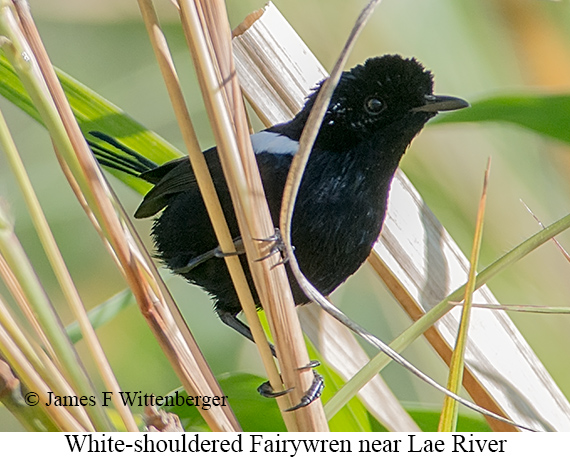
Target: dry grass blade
point(18, 273)
point(275, 67)
point(208, 36)
point(28, 375)
point(92, 189)
point(554, 240)
point(38, 359)
point(448, 419)
point(539, 309)
point(17, 292)
point(62, 273)
point(301, 158)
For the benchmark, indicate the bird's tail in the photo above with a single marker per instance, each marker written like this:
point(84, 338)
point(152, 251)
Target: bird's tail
point(127, 160)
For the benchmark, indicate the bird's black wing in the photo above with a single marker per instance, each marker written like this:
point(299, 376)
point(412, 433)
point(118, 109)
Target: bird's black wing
point(170, 179)
point(274, 149)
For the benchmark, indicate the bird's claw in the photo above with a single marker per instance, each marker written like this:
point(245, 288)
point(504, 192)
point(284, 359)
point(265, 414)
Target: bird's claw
point(311, 364)
point(310, 395)
point(278, 247)
point(274, 250)
point(276, 237)
point(265, 390)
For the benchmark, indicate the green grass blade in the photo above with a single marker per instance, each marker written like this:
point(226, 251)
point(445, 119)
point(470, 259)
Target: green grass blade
point(428, 420)
point(255, 413)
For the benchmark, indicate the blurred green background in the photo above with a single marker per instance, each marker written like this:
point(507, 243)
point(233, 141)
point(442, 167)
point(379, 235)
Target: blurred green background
point(475, 48)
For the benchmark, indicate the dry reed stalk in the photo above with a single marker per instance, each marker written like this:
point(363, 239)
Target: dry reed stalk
point(204, 179)
point(90, 187)
point(62, 274)
point(203, 176)
point(208, 35)
point(39, 360)
point(18, 273)
point(61, 417)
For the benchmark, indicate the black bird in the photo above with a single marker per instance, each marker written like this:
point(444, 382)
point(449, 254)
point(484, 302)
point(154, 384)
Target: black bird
point(375, 112)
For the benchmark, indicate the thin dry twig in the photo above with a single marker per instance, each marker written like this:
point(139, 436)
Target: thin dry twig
point(556, 242)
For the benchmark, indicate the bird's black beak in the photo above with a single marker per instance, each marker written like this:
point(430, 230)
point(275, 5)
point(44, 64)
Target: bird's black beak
point(436, 103)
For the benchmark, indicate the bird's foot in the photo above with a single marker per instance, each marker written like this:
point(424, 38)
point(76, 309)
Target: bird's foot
point(310, 395)
point(277, 246)
point(232, 321)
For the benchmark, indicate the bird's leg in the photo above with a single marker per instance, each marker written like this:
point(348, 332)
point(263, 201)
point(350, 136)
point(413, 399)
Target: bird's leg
point(215, 253)
point(232, 321)
point(238, 245)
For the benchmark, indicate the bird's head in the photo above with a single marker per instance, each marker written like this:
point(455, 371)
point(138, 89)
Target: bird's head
point(386, 94)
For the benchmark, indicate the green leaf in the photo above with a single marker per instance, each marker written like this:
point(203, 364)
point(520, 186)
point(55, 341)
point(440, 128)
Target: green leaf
point(94, 112)
point(103, 313)
point(254, 412)
point(545, 114)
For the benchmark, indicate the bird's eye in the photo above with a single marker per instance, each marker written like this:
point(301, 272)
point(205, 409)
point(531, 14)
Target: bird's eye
point(374, 106)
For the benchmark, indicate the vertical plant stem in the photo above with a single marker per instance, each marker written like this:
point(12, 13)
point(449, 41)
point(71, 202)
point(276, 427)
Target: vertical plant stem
point(62, 274)
point(108, 217)
point(212, 58)
point(204, 179)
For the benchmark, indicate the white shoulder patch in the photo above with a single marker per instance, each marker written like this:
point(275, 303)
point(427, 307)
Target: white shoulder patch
point(274, 143)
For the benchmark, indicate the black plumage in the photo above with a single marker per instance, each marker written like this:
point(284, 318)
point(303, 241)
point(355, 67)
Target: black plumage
point(375, 112)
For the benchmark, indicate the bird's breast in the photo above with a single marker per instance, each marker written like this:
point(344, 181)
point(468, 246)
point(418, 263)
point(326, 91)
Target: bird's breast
point(337, 219)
